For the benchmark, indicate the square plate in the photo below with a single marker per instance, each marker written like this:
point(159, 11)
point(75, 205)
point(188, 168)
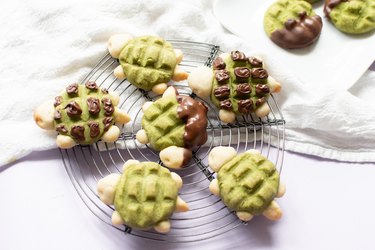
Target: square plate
point(335, 60)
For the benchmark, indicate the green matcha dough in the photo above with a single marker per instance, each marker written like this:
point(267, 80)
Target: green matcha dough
point(312, 1)
point(248, 183)
point(145, 195)
point(162, 124)
point(351, 16)
point(148, 61)
point(83, 112)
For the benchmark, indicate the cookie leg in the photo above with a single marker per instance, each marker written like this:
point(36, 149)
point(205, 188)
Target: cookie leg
point(160, 88)
point(281, 190)
point(244, 216)
point(116, 219)
point(116, 43)
point(121, 116)
point(106, 188)
point(263, 110)
point(177, 179)
point(146, 105)
point(175, 157)
point(64, 141)
point(227, 116)
point(119, 73)
point(275, 87)
point(128, 163)
point(141, 136)
point(219, 156)
point(163, 227)
point(43, 115)
point(115, 98)
point(179, 74)
point(200, 81)
point(214, 187)
point(181, 205)
point(170, 91)
point(112, 134)
point(179, 55)
point(273, 211)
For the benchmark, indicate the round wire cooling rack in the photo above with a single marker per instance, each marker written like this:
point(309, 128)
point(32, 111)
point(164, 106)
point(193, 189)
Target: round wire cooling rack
point(208, 216)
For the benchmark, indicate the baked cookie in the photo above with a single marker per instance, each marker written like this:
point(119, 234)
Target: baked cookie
point(173, 125)
point(312, 1)
point(148, 62)
point(82, 114)
point(247, 183)
point(145, 195)
point(351, 16)
point(292, 24)
point(237, 84)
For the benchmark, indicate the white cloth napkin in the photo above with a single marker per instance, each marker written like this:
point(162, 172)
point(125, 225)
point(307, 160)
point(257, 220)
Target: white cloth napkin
point(46, 45)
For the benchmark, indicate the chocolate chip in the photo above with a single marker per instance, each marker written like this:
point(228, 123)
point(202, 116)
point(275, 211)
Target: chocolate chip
point(245, 106)
point(58, 101)
point(226, 104)
point(93, 105)
point(73, 109)
point(218, 63)
point(72, 88)
point(243, 90)
point(260, 101)
point(261, 89)
point(255, 62)
point(222, 92)
point(78, 132)
point(57, 115)
point(108, 106)
point(94, 129)
point(105, 91)
point(259, 73)
point(238, 56)
point(222, 76)
point(91, 85)
point(242, 74)
point(290, 23)
point(61, 129)
point(107, 121)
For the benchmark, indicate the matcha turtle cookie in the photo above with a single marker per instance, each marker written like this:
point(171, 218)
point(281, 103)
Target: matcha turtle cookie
point(82, 114)
point(173, 125)
point(148, 62)
point(247, 183)
point(351, 16)
point(144, 195)
point(237, 85)
point(292, 24)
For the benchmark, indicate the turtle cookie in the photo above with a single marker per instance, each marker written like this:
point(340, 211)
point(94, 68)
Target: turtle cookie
point(82, 114)
point(144, 195)
point(148, 62)
point(237, 85)
point(173, 125)
point(351, 16)
point(247, 183)
point(292, 24)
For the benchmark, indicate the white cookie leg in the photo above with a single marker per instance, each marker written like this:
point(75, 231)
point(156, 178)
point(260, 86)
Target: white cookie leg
point(273, 211)
point(175, 157)
point(64, 141)
point(181, 205)
point(116, 43)
point(159, 88)
point(106, 188)
point(128, 163)
point(170, 91)
point(179, 74)
point(263, 110)
point(116, 219)
point(177, 179)
point(244, 216)
point(112, 134)
point(281, 190)
point(200, 81)
point(43, 115)
point(275, 87)
point(115, 98)
point(121, 116)
point(179, 55)
point(119, 73)
point(227, 116)
point(163, 227)
point(214, 187)
point(219, 156)
point(141, 136)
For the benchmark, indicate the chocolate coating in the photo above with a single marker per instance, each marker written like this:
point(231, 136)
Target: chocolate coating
point(255, 62)
point(259, 73)
point(57, 115)
point(73, 109)
point(91, 85)
point(72, 89)
point(194, 114)
point(261, 89)
point(105, 91)
point(243, 90)
point(329, 5)
point(107, 121)
point(222, 92)
point(238, 56)
point(61, 129)
point(94, 129)
point(298, 33)
point(242, 74)
point(218, 63)
point(93, 105)
point(222, 76)
point(245, 106)
point(78, 132)
point(226, 104)
point(187, 154)
point(260, 101)
point(58, 100)
point(108, 106)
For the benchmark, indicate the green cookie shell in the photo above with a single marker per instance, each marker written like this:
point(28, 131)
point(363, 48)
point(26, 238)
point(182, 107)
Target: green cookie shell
point(148, 61)
point(145, 195)
point(354, 16)
point(86, 117)
point(312, 1)
point(281, 11)
point(248, 183)
point(162, 125)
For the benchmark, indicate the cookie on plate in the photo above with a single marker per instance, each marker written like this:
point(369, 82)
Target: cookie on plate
point(82, 114)
point(292, 24)
point(247, 183)
point(351, 16)
point(148, 62)
point(144, 195)
point(173, 125)
point(237, 85)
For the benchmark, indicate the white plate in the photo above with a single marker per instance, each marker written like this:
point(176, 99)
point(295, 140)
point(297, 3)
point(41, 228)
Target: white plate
point(336, 59)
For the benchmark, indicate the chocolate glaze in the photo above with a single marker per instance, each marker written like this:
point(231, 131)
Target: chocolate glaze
point(94, 129)
point(259, 73)
point(72, 88)
point(261, 89)
point(61, 129)
point(260, 101)
point(242, 74)
point(222, 92)
point(245, 106)
point(78, 132)
point(222, 76)
point(107, 121)
point(108, 106)
point(238, 56)
point(329, 5)
point(73, 109)
point(93, 105)
point(298, 33)
point(58, 101)
point(57, 115)
point(226, 105)
point(255, 62)
point(194, 114)
point(91, 85)
point(218, 63)
point(243, 90)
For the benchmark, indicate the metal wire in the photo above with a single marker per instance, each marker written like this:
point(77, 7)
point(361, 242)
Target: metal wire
point(208, 217)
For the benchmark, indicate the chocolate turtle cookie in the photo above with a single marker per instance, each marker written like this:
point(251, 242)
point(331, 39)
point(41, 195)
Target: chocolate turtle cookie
point(237, 85)
point(247, 183)
point(144, 195)
point(351, 16)
point(173, 125)
point(292, 24)
point(82, 114)
point(148, 62)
